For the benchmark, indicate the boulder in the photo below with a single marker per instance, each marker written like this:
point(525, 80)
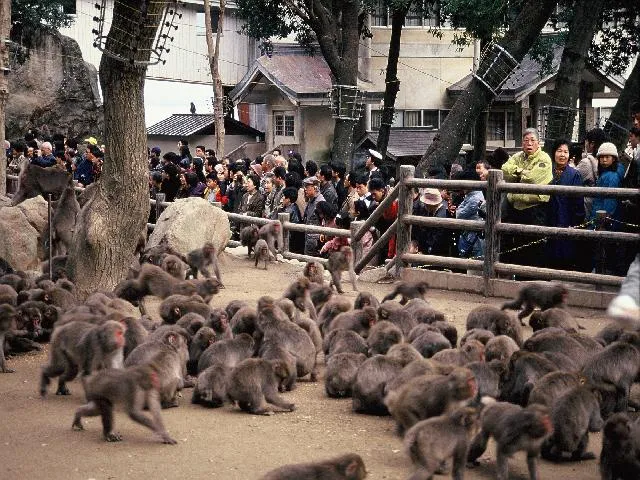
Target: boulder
point(19, 240)
point(35, 211)
point(190, 222)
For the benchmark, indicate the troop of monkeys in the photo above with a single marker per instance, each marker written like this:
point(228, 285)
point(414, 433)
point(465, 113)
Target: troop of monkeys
point(401, 358)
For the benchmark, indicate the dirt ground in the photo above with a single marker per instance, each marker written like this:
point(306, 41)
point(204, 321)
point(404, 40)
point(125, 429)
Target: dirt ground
point(36, 440)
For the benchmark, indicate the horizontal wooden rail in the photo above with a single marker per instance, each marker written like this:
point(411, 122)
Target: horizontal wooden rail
point(447, 184)
point(552, 274)
point(448, 223)
point(568, 191)
point(576, 233)
point(301, 227)
point(236, 217)
point(437, 261)
point(304, 258)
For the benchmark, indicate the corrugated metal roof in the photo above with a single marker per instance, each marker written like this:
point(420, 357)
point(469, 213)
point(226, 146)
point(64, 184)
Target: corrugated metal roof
point(404, 142)
point(184, 125)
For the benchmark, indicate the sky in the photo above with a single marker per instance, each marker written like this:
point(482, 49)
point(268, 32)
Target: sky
point(162, 99)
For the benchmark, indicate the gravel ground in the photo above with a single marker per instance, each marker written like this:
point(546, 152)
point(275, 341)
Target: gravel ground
point(37, 440)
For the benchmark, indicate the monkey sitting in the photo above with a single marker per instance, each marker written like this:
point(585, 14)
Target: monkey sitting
point(345, 467)
point(543, 295)
point(135, 387)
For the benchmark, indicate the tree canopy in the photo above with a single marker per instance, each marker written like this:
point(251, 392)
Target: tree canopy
point(29, 17)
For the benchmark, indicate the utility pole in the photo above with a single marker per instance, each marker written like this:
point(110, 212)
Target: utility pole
point(214, 65)
point(5, 30)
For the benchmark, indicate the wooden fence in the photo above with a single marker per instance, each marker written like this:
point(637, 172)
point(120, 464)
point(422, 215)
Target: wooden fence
point(490, 265)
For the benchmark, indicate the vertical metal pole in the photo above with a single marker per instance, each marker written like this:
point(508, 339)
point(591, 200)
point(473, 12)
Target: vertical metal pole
point(50, 237)
point(160, 198)
point(491, 236)
point(405, 207)
point(356, 247)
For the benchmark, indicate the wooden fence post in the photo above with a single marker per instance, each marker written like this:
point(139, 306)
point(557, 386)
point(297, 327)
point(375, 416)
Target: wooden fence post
point(160, 198)
point(284, 218)
point(356, 245)
point(405, 207)
point(491, 236)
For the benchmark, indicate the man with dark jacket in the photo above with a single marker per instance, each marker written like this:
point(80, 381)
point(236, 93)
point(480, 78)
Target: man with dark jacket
point(325, 175)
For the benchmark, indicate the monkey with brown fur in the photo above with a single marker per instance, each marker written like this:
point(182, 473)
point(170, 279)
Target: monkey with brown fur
point(408, 290)
point(553, 317)
point(298, 293)
point(7, 318)
point(341, 261)
point(345, 467)
point(135, 387)
point(262, 253)
point(253, 384)
point(365, 299)
point(248, 237)
point(314, 272)
point(174, 267)
point(63, 221)
point(82, 346)
point(272, 233)
point(334, 306)
point(543, 295)
point(497, 321)
point(514, 429)
point(219, 322)
point(360, 321)
point(203, 259)
point(431, 442)
point(174, 307)
point(35, 180)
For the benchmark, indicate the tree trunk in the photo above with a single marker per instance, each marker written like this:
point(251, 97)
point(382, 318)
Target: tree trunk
point(108, 225)
point(479, 138)
point(517, 41)
point(392, 83)
point(5, 28)
point(582, 28)
point(620, 119)
point(214, 65)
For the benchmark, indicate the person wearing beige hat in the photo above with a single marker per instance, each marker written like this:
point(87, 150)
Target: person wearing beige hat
point(432, 240)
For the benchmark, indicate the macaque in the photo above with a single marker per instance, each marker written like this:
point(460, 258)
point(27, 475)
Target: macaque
point(248, 237)
point(339, 262)
point(408, 290)
point(262, 253)
point(314, 272)
point(272, 234)
point(543, 295)
point(345, 467)
point(203, 259)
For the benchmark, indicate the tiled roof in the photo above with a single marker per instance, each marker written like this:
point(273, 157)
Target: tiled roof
point(404, 142)
point(184, 125)
point(528, 77)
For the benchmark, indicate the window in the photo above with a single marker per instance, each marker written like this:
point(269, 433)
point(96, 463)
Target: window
point(495, 126)
point(201, 29)
point(412, 118)
point(376, 119)
point(511, 125)
point(284, 124)
point(379, 16)
point(420, 14)
point(430, 118)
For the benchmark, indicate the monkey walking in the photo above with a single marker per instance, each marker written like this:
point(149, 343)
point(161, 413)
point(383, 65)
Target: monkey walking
point(248, 237)
point(203, 259)
point(543, 295)
point(272, 234)
point(135, 388)
point(408, 291)
point(339, 262)
point(262, 252)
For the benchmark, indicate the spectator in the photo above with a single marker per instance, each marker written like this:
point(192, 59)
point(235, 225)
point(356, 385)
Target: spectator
point(185, 155)
point(154, 158)
point(313, 196)
point(85, 171)
point(310, 168)
point(635, 114)
point(470, 243)
point(498, 158)
point(482, 169)
point(327, 215)
point(252, 203)
point(347, 208)
point(296, 166)
point(338, 181)
point(533, 166)
point(289, 205)
point(433, 240)
point(378, 191)
point(17, 158)
point(213, 192)
point(564, 211)
point(325, 176)
point(292, 179)
point(61, 160)
point(198, 169)
point(588, 165)
point(373, 161)
point(195, 188)
point(46, 159)
point(170, 181)
point(275, 197)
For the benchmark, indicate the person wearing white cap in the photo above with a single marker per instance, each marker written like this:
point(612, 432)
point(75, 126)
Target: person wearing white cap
point(373, 161)
point(310, 217)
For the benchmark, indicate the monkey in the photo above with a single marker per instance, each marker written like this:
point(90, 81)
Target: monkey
point(85, 347)
point(553, 385)
point(174, 307)
point(35, 180)
point(170, 354)
point(219, 322)
point(331, 309)
point(312, 330)
point(523, 370)
point(262, 253)
point(360, 321)
point(382, 336)
point(429, 396)
point(88, 193)
point(341, 373)
point(233, 306)
point(428, 343)
point(248, 237)
point(59, 269)
point(291, 337)
point(618, 365)
point(244, 321)
point(174, 267)
point(488, 376)
point(365, 299)
point(553, 317)
point(314, 271)
point(272, 233)
point(500, 348)
point(66, 284)
point(407, 291)
point(201, 340)
point(431, 442)
point(274, 352)
point(339, 262)
point(134, 387)
point(620, 455)
point(543, 295)
point(7, 317)
point(558, 341)
point(394, 313)
point(472, 351)
point(610, 333)
point(447, 329)
point(227, 352)
point(134, 335)
point(574, 415)
point(202, 259)
point(319, 295)
point(63, 222)
point(344, 467)
point(8, 295)
point(514, 429)
point(211, 386)
point(191, 322)
point(372, 376)
point(5, 267)
point(344, 341)
point(16, 282)
point(298, 293)
point(496, 321)
point(422, 312)
point(253, 385)
point(156, 254)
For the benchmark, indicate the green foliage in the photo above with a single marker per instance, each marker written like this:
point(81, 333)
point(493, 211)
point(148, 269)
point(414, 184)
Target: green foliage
point(619, 39)
point(29, 17)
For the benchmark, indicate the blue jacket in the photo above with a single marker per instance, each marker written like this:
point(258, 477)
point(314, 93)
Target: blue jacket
point(566, 211)
point(84, 172)
point(608, 179)
point(46, 161)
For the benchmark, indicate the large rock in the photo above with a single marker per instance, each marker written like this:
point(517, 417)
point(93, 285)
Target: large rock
point(190, 222)
point(54, 91)
point(21, 228)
